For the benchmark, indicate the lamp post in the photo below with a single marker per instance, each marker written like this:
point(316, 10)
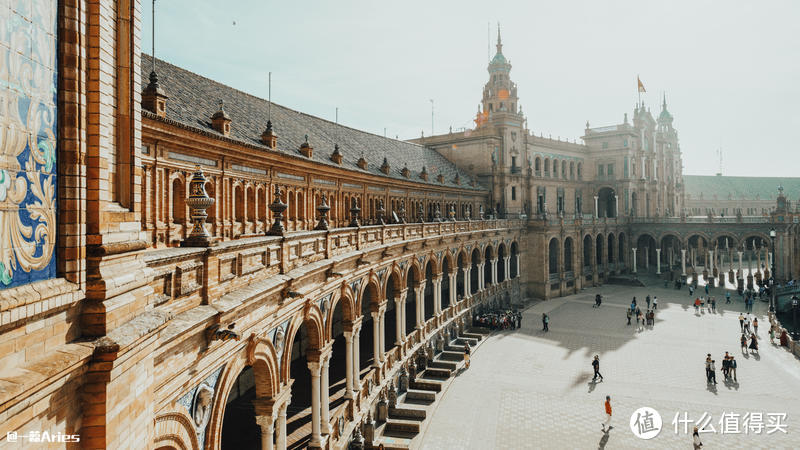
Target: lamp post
point(772, 235)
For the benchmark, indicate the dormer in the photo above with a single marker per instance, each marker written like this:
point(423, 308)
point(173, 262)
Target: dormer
point(220, 121)
point(336, 156)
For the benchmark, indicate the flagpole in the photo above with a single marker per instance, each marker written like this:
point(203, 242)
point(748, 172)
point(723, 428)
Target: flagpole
point(638, 89)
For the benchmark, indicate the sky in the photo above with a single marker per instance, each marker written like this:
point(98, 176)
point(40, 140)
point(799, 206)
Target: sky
point(730, 69)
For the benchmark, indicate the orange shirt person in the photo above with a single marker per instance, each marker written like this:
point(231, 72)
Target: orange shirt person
point(608, 415)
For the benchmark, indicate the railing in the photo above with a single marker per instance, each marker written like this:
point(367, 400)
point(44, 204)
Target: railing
point(701, 219)
point(553, 277)
point(569, 275)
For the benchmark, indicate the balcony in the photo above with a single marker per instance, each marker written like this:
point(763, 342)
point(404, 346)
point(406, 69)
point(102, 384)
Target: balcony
point(516, 169)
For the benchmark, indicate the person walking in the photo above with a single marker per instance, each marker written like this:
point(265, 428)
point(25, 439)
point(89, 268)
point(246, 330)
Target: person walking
point(545, 322)
point(726, 365)
point(696, 439)
point(697, 305)
point(629, 313)
point(708, 368)
point(596, 367)
point(655, 302)
point(712, 372)
point(747, 325)
point(741, 322)
point(706, 289)
point(732, 368)
point(772, 335)
point(743, 342)
point(648, 301)
point(714, 305)
point(691, 290)
point(753, 342)
point(467, 352)
point(755, 325)
point(608, 415)
point(728, 297)
point(640, 320)
point(597, 301)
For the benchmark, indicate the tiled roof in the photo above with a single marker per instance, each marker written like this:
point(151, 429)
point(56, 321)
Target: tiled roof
point(745, 188)
point(193, 99)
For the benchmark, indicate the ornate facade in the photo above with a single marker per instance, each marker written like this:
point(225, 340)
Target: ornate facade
point(330, 259)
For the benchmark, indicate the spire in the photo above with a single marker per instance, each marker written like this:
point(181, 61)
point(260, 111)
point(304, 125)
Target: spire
point(664, 104)
point(499, 41)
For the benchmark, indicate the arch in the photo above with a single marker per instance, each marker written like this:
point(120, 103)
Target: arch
point(537, 165)
point(372, 290)
point(587, 250)
point(621, 253)
point(447, 270)
point(488, 256)
point(428, 294)
point(261, 355)
point(178, 200)
point(552, 255)
point(547, 167)
point(476, 260)
point(345, 299)
point(606, 202)
point(599, 250)
point(175, 430)
point(238, 202)
point(720, 237)
point(568, 260)
point(392, 292)
point(461, 265)
point(611, 247)
point(312, 319)
point(554, 173)
point(250, 194)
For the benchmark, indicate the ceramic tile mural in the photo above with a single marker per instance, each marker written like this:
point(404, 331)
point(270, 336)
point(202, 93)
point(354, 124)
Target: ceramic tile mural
point(27, 140)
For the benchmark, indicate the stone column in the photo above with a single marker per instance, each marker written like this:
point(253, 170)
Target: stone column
point(683, 262)
point(325, 396)
point(508, 267)
point(711, 260)
point(437, 295)
point(382, 327)
point(519, 269)
point(658, 261)
point(494, 271)
point(281, 439)
point(647, 257)
point(421, 305)
point(348, 348)
point(267, 431)
point(376, 339)
point(740, 264)
point(453, 288)
point(467, 282)
point(398, 317)
point(316, 438)
point(596, 210)
point(480, 276)
point(357, 359)
point(634, 259)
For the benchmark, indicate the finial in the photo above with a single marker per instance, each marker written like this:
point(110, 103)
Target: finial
point(306, 138)
point(664, 105)
point(499, 41)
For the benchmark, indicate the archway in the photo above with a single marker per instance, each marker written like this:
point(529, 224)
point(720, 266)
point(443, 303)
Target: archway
point(599, 251)
point(446, 271)
point(621, 254)
point(473, 276)
point(390, 317)
point(239, 427)
point(413, 280)
point(552, 252)
point(429, 296)
point(369, 303)
point(587, 253)
point(670, 253)
point(460, 284)
point(611, 249)
point(568, 265)
point(501, 263)
point(646, 251)
point(514, 257)
point(305, 343)
point(606, 203)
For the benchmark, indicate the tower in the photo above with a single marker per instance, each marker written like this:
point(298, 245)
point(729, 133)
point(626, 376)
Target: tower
point(500, 102)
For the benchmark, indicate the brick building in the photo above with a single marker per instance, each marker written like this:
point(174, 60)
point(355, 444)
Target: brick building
point(334, 257)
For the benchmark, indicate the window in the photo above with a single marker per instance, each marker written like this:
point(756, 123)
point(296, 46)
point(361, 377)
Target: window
point(605, 145)
point(625, 143)
point(599, 170)
point(513, 192)
point(610, 169)
point(491, 107)
point(625, 167)
point(513, 161)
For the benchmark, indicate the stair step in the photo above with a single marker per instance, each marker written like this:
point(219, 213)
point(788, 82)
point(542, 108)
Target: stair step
point(426, 385)
point(407, 413)
point(404, 426)
point(419, 397)
point(393, 445)
point(439, 374)
point(439, 364)
point(464, 340)
point(451, 356)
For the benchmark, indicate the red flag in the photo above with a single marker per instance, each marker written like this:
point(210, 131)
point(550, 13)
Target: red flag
point(641, 86)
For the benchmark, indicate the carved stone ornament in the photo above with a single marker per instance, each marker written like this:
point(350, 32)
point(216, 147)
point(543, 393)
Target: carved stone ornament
point(201, 406)
point(280, 341)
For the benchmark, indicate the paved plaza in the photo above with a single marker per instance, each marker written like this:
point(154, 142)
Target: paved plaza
point(530, 389)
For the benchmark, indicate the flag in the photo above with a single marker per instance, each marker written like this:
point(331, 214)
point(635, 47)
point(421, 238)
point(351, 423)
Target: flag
point(641, 86)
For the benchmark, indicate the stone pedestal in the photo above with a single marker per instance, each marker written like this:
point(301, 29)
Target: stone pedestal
point(382, 410)
point(749, 281)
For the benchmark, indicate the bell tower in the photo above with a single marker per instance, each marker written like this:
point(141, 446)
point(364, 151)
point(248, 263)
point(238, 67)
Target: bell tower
point(500, 102)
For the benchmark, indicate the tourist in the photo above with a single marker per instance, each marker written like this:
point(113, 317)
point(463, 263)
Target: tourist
point(608, 415)
point(706, 288)
point(655, 302)
point(708, 305)
point(714, 305)
point(629, 314)
point(755, 325)
point(467, 351)
point(708, 368)
point(640, 319)
point(741, 321)
point(545, 322)
point(772, 334)
point(712, 372)
point(648, 301)
point(596, 367)
point(753, 342)
point(633, 302)
point(652, 318)
point(732, 368)
point(743, 342)
point(597, 300)
point(697, 304)
point(691, 290)
point(728, 297)
point(747, 325)
point(696, 439)
point(726, 365)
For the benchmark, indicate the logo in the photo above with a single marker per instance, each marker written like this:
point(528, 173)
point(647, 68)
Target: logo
point(645, 423)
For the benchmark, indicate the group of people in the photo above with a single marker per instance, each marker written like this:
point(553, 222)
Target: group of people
point(498, 320)
point(728, 368)
point(643, 318)
point(744, 324)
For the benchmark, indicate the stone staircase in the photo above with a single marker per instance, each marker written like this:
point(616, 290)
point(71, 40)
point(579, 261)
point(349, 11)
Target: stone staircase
point(406, 419)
